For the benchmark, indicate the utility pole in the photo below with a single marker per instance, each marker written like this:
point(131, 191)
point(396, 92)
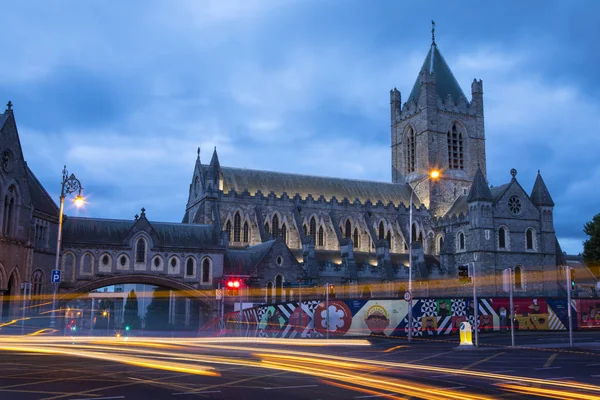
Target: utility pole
point(512, 308)
point(327, 309)
point(475, 308)
point(567, 269)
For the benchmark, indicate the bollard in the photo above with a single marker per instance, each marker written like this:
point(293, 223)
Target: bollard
point(466, 336)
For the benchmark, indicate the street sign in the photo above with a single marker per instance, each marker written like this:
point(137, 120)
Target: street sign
point(219, 294)
point(55, 277)
point(407, 296)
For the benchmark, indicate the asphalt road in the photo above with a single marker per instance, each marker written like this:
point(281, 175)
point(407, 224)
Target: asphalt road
point(422, 364)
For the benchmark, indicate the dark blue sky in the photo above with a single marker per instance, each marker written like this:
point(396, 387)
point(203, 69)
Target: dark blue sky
point(125, 93)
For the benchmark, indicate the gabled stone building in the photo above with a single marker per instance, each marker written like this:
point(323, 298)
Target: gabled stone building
point(28, 224)
point(355, 233)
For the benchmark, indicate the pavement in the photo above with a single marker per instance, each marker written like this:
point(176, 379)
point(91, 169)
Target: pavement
point(272, 369)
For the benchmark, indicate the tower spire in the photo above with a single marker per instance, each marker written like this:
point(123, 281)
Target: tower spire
point(432, 32)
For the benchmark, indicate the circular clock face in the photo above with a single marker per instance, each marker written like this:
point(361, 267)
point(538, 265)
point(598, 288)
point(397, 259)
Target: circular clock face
point(6, 160)
point(514, 205)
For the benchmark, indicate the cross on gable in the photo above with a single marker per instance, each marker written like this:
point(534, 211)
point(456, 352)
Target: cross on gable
point(9, 105)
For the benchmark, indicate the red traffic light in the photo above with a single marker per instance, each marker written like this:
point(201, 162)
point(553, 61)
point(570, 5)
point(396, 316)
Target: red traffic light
point(235, 284)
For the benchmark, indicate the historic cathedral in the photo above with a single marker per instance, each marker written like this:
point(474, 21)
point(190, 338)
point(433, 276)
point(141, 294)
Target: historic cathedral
point(355, 233)
point(278, 229)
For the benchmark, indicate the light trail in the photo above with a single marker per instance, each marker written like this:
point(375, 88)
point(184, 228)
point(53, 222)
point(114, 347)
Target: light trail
point(189, 355)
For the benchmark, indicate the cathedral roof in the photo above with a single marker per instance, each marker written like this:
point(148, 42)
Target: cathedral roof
point(240, 179)
point(445, 82)
point(540, 196)
point(244, 262)
point(479, 188)
point(98, 231)
point(460, 204)
point(40, 198)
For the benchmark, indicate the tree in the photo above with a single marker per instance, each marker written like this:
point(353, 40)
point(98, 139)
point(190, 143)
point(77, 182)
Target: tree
point(157, 316)
point(131, 316)
point(108, 307)
point(591, 247)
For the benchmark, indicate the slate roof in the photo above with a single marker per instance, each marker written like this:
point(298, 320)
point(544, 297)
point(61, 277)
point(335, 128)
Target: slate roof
point(244, 262)
point(479, 189)
point(540, 196)
point(40, 198)
point(240, 179)
point(3, 118)
point(445, 82)
point(108, 232)
point(461, 203)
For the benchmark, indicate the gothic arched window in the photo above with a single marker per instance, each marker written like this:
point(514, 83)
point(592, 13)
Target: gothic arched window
point(275, 225)
point(246, 232)
point(321, 237)
point(388, 238)
point(440, 244)
point(267, 228)
point(228, 230)
point(461, 241)
point(348, 228)
point(518, 277)
point(9, 210)
point(355, 238)
point(381, 231)
point(206, 270)
point(313, 228)
point(410, 150)
point(501, 238)
point(414, 232)
point(529, 238)
point(140, 251)
point(269, 290)
point(455, 149)
point(284, 233)
point(237, 227)
point(36, 288)
point(189, 267)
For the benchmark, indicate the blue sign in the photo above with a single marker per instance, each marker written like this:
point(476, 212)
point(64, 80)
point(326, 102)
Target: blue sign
point(55, 277)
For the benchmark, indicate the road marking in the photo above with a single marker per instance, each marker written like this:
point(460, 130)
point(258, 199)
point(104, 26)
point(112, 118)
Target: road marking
point(393, 348)
point(428, 357)
point(592, 365)
point(550, 360)
point(100, 398)
point(440, 376)
point(562, 377)
point(545, 368)
point(595, 376)
point(196, 393)
point(371, 396)
point(482, 361)
point(455, 387)
point(504, 372)
point(289, 387)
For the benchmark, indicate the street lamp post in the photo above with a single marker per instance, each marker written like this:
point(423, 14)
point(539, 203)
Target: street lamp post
point(433, 175)
point(70, 184)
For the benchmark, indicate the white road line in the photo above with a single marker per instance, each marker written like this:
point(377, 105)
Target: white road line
point(595, 376)
point(101, 398)
point(289, 387)
point(545, 368)
point(592, 365)
point(504, 372)
point(196, 392)
point(455, 387)
point(562, 377)
point(440, 376)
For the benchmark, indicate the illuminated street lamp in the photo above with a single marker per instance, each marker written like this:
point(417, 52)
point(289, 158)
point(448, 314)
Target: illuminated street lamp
point(69, 185)
point(433, 174)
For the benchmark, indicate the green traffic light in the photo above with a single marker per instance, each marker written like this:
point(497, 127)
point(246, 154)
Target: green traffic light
point(127, 328)
point(74, 329)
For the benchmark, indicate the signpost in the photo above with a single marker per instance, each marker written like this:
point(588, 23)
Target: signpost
point(55, 276)
point(407, 296)
point(475, 308)
point(508, 284)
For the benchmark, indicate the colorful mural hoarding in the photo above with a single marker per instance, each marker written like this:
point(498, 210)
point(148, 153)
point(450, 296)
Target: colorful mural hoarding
point(431, 317)
point(588, 313)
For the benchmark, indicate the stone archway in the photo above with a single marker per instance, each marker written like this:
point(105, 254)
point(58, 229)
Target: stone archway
point(9, 298)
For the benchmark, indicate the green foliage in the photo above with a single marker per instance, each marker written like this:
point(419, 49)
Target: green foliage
point(131, 316)
point(101, 320)
point(591, 247)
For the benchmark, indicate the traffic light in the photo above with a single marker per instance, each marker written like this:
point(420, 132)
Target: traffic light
point(463, 274)
point(331, 290)
point(234, 285)
point(572, 271)
point(127, 328)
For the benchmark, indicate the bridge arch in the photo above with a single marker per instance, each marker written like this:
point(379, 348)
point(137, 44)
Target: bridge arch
point(182, 288)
